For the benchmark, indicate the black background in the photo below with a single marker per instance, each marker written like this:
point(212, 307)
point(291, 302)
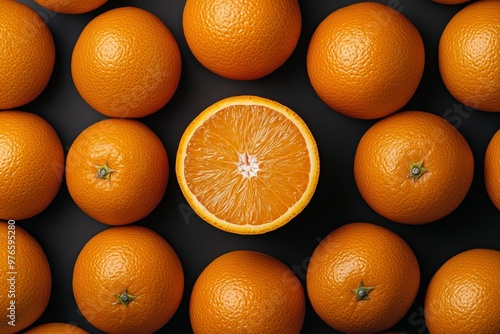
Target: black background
point(63, 229)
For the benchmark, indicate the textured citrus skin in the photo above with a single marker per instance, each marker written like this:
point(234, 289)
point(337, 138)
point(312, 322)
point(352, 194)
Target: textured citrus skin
point(140, 171)
point(247, 292)
point(230, 134)
point(468, 55)
point(56, 328)
point(27, 54)
point(242, 40)
point(31, 164)
point(134, 258)
point(32, 278)
point(71, 6)
point(492, 169)
point(126, 63)
point(461, 297)
point(368, 253)
point(382, 167)
point(365, 60)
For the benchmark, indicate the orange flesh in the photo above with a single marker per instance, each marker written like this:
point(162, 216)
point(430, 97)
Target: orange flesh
point(247, 156)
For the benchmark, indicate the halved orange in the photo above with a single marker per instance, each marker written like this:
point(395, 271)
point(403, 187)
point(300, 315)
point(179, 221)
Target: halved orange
point(247, 164)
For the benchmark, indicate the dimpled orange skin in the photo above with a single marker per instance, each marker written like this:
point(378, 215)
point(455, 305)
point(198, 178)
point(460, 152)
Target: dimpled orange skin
point(71, 6)
point(133, 258)
point(247, 292)
point(140, 171)
point(365, 60)
point(126, 63)
point(31, 164)
point(33, 279)
point(242, 40)
point(56, 328)
point(492, 169)
point(27, 54)
point(461, 296)
point(382, 167)
point(468, 56)
point(369, 253)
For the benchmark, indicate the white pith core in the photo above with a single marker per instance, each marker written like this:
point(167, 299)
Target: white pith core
point(248, 165)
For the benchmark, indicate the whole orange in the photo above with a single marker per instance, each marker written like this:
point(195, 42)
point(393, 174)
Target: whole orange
point(492, 169)
point(126, 63)
point(365, 60)
point(362, 278)
point(31, 164)
point(460, 297)
point(27, 281)
point(27, 54)
point(247, 292)
point(468, 55)
point(404, 167)
point(128, 279)
point(71, 6)
point(242, 40)
point(117, 171)
point(56, 328)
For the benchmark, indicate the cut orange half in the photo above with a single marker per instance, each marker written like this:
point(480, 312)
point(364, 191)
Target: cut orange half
point(247, 165)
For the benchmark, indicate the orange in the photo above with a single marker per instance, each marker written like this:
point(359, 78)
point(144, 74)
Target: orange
point(247, 164)
point(362, 278)
point(468, 55)
point(56, 328)
point(461, 297)
point(71, 6)
point(413, 167)
point(26, 283)
point(27, 54)
point(117, 171)
point(242, 40)
point(247, 292)
point(126, 63)
point(128, 279)
point(492, 169)
point(365, 60)
point(31, 164)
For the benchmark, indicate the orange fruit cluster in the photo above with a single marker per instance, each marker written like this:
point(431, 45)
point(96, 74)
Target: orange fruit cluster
point(247, 165)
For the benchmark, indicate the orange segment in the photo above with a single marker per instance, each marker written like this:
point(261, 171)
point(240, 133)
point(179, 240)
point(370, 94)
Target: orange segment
point(247, 164)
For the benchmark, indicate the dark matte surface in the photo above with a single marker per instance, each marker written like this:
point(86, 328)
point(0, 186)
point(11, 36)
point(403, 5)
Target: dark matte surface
point(63, 229)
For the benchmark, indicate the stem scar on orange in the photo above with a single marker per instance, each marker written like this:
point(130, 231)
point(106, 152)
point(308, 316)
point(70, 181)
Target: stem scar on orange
point(402, 167)
point(247, 164)
point(362, 278)
point(128, 280)
point(117, 171)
